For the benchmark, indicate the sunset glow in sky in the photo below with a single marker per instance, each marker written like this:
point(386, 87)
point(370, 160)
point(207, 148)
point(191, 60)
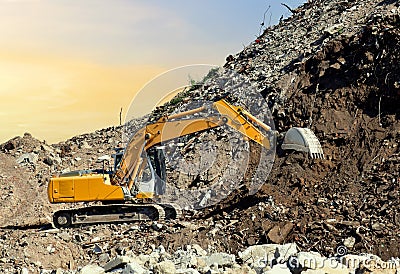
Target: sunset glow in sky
point(67, 67)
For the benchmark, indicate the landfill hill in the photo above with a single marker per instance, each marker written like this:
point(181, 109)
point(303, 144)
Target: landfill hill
point(332, 66)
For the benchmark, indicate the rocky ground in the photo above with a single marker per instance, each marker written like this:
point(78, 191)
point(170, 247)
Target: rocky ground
point(332, 66)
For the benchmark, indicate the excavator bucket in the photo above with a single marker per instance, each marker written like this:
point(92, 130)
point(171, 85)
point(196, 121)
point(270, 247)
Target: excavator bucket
point(303, 139)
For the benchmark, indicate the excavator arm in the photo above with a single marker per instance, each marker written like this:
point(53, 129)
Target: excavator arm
point(171, 127)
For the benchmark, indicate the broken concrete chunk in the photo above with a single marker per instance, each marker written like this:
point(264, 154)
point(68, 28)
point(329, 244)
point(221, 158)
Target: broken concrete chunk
point(92, 269)
point(117, 262)
point(147, 259)
point(27, 158)
point(333, 29)
point(65, 236)
point(85, 145)
point(349, 242)
point(104, 258)
point(278, 234)
point(242, 270)
point(165, 267)
point(185, 259)
point(335, 66)
point(268, 253)
point(221, 259)
point(133, 268)
point(187, 271)
point(199, 250)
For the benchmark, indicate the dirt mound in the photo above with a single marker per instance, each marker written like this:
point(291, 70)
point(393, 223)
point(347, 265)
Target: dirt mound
point(348, 93)
point(26, 143)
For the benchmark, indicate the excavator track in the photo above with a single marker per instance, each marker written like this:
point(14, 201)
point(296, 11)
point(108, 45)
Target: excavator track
point(113, 213)
point(172, 211)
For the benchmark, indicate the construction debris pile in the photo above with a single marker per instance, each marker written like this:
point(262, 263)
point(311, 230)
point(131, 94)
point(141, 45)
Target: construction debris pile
point(269, 258)
point(332, 66)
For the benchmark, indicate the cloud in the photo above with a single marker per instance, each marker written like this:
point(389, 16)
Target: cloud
point(94, 29)
point(70, 96)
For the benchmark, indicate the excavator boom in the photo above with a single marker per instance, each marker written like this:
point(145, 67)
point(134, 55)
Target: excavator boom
point(171, 127)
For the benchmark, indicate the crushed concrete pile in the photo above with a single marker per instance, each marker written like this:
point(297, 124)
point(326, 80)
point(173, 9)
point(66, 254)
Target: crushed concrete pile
point(331, 67)
point(257, 259)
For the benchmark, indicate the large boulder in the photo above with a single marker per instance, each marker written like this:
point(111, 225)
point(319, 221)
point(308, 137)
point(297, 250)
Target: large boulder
point(221, 259)
point(92, 269)
point(268, 253)
point(165, 267)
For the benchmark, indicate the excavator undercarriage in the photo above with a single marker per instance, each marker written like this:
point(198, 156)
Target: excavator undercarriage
point(114, 213)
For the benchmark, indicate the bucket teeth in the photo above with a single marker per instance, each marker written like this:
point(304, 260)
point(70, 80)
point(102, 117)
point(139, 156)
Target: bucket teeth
point(303, 139)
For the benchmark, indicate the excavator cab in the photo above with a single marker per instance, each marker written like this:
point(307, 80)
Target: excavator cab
point(151, 178)
point(160, 170)
point(119, 153)
point(145, 181)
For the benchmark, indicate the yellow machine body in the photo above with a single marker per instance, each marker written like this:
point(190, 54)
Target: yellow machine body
point(134, 177)
point(86, 188)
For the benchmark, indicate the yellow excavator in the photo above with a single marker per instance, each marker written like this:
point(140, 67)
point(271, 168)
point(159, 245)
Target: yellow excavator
point(127, 191)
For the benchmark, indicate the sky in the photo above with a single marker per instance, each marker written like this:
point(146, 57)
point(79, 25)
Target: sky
point(68, 66)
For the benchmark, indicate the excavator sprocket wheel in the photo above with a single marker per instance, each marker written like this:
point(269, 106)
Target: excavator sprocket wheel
point(62, 219)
